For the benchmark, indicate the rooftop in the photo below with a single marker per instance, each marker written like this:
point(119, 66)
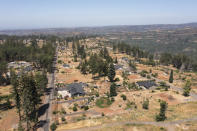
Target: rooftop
point(147, 84)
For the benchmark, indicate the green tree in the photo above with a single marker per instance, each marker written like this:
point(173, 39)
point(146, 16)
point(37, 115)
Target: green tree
point(15, 92)
point(53, 127)
point(74, 108)
point(171, 77)
point(187, 88)
point(145, 104)
point(84, 67)
point(162, 115)
point(75, 58)
point(124, 97)
point(113, 90)
point(30, 98)
point(111, 72)
point(116, 60)
point(132, 65)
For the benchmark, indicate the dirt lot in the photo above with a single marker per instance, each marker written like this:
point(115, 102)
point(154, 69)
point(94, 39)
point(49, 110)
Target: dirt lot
point(9, 119)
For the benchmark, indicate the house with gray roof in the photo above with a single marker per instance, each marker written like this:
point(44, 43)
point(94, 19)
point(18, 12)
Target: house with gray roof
point(146, 84)
point(66, 66)
point(73, 89)
point(118, 67)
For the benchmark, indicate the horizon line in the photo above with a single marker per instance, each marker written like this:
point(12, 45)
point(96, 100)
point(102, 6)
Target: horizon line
point(96, 26)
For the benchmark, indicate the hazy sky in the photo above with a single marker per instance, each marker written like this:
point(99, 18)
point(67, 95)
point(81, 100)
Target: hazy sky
point(20, 14)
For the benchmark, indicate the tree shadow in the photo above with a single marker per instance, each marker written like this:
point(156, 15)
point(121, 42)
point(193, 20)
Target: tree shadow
point(5, 107)
point(43, 109)
point(41, 123)
point(48, 90)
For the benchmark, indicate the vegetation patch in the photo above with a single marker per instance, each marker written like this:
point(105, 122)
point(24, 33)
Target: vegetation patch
point(103, 102)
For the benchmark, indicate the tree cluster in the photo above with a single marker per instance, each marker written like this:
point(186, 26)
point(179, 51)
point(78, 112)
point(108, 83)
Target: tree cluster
point(14, 50)
point(180, 61)
point(27, 92)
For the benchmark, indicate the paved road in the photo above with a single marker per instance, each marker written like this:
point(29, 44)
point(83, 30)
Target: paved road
point(47, 115)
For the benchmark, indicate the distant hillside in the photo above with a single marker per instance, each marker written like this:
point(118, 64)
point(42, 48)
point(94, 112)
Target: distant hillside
point(99, 30)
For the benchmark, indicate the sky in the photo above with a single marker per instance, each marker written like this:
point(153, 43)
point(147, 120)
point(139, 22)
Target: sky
point(30, 14)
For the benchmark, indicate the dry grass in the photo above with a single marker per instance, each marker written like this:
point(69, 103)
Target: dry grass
point(178, 107)
point(5, 90)
point(9, 119)
point(132, 127)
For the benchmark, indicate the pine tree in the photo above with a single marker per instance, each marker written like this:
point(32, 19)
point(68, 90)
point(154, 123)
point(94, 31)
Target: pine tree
point(30, 97)
point(93, 64)
point(113, 90)
point(116, 60)
point(75, 58)
point(111, 72)
point(162, 115)
point(171, 77)
point(84, 68)
point(187, 88)
point(105, 69)
point(16, 94)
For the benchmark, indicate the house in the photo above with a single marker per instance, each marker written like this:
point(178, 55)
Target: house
point(118, 67)
point(20, 64)
point(20, 67)
point(73, 89)
point(146, 84)
point(125, 59)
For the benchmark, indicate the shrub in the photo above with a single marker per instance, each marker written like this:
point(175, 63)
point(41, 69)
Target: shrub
point(187, 88)
point(124, 97)
point(63, 111)
point(54, 112)
point(63, 119)
point(148, 77)
point(130, 105)
point(59, 62)
point(145, 104)
point(112, 100)
point(53, 127)
point(86, 108)
point(155, 75)
point(97, 94)
point(117, 79)
point(133, 86)
point(74, 108)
